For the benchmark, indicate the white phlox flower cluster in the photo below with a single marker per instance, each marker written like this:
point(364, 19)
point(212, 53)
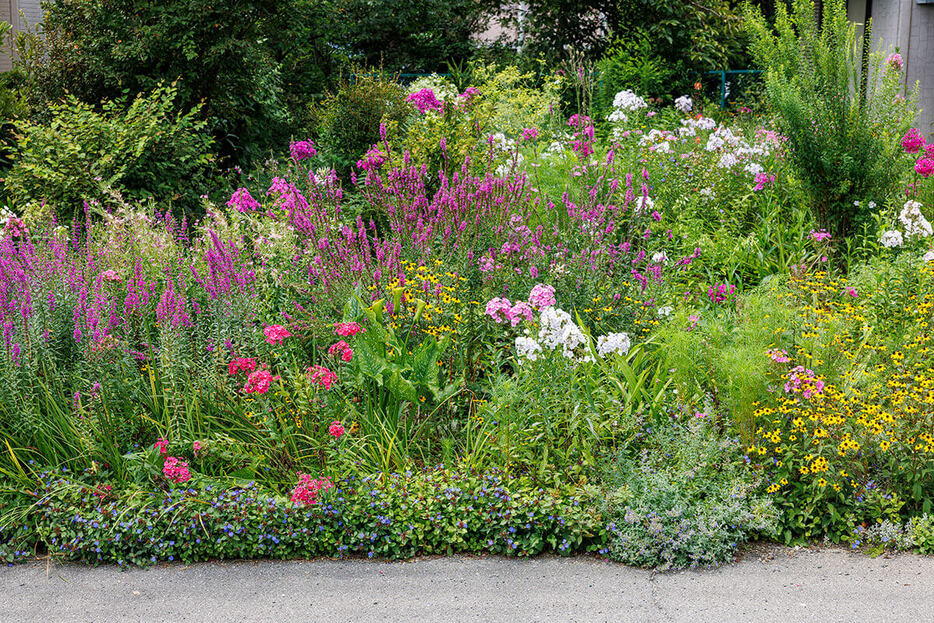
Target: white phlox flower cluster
point(627, 100)
point(911, 218)
point(701, 123)
point(527, 348)
point(892, 238)
point(643, 204)
point(684, 104)
point(928, 257)
point(618, 343)
point(617, 116)
point(558, 330)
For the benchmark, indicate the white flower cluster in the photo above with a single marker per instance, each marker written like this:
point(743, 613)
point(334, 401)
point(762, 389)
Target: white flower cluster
point(892, 238)
point(627, 100)
point(643, 204)
point(558, 331)
point(684, 104)
point(928, 257)
point(913, 220)
point(5, 216)
point(721, 138)
point(528, 348)
point(618, 343)
point(658, 140)
point(617, 116)
point(701, 123)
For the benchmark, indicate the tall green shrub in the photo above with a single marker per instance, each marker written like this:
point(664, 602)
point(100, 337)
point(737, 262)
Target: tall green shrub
point(842, 119)
point(347, 121)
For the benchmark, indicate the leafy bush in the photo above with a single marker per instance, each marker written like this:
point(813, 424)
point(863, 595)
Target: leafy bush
point(842, 119)
point(223, 56)
point(408, 37)
point(631, 65)
point(144, 150)
point(683, 498)
point(346, 123)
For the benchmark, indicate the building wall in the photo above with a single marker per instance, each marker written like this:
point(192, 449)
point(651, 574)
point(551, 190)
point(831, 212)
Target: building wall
point(909, 27)
point(19, 13)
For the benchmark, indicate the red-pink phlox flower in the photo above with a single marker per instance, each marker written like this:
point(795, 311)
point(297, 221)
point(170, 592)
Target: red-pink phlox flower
point(176, 470)
point(336, 430)
point(276, 333)
point(322, 376)
point(347, 329)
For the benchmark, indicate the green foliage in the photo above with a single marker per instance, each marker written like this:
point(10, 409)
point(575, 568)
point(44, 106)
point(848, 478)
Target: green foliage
point(226, 56)
point(842, 118)
point(393, 516)
point(630, 64)
point(407, 37)
point(143, 150)
point(721, 357)
point(346, 122)
point(683, 498)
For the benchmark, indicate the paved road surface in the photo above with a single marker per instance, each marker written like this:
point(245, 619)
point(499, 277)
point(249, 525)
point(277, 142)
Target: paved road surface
point(769, 584)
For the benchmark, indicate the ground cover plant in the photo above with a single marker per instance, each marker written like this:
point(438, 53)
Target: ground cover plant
point(489, 320)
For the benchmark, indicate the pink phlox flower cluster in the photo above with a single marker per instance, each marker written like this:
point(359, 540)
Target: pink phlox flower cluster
point(336, 430)
point(161, 445)
point(196, 448)
point(176, 470)
point(819, 236)
point(529, 134)
point(803, 381)
point(777, 355)
point(520, 311)
point(852, 292)
point(894, 61)
point(469, 95)
point(275, 333)
point(306, 492)
point(241, 364)
point(424, 101)
point(242, 201)
point(913, 141)
point(720, 292)
point(341, 349)
point(279, 186)
point(302, 150)
point(498, 309)
point(347, 329)
point(542, 295)
point(258, 382)
point(925, 166)
point(763, 179)
point(322, 376)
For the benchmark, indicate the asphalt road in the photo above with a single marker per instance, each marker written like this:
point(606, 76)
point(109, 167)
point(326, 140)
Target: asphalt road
point(768, 584)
